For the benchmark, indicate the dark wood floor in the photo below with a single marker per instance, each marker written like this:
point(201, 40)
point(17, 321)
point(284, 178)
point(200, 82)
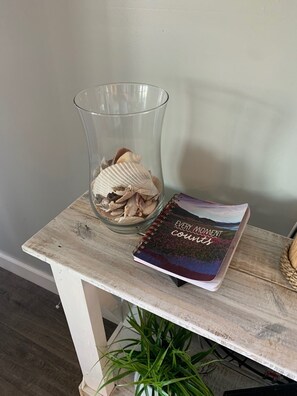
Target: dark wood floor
point(37, 357)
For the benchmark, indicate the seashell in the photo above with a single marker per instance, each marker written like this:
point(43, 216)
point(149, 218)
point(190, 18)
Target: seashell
point(112, 196)
point(119, 153)
point(128, 193)
point(123, 175)
point(104, 163)
point(119, 190)
point(130, 207)
point(146, 197)
point(114, 206)
point(139, 203)
point(129, 157)
point(146, 193)
point(104, 203)
point(157, 183)
point(129, 220)
point(149, 207)
point(139, 200)
point(117, 212)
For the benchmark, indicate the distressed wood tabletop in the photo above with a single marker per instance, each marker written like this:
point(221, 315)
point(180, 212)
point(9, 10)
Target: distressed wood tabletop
point(253, 312)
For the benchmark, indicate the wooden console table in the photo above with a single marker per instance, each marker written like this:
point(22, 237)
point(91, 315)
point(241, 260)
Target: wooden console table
point(253, 313)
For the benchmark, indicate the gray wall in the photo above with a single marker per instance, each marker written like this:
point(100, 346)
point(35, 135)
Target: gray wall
point(229, 66)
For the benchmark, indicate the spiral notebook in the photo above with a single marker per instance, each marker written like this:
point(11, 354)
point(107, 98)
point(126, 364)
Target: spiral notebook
point(193, 240)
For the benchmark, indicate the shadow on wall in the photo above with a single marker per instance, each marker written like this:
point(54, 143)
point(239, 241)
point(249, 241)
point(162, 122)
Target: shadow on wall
point(239, 149)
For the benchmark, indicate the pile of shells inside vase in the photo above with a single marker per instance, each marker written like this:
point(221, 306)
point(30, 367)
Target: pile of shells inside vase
point(125, 191)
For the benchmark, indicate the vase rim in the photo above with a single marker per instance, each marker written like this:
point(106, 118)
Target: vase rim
point(106, 114)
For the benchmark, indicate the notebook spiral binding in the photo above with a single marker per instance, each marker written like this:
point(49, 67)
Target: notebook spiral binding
point(156, 224)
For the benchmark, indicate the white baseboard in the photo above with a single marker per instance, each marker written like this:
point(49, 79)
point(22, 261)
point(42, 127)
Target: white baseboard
point(27, 272)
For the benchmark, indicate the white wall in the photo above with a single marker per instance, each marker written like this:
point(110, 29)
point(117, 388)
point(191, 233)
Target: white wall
point(230, 67)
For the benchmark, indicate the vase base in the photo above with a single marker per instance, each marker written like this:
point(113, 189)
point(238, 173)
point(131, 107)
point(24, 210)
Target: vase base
point(138, 228)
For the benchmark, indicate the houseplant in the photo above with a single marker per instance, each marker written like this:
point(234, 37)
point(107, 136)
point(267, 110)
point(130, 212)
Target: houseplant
point(158, 351)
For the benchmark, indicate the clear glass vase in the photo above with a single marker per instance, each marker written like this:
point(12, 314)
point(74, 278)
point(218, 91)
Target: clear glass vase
point(123, 125)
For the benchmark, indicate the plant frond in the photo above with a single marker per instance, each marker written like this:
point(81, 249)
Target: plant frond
point(160, 354)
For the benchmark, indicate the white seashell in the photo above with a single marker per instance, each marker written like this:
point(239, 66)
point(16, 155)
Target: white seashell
point(123, 175)
point(157, 183)
point(146, 194)
point(129, 157)
point(149, 208)
point(114, 206)
point(117, 212)
point(128, 193)
point(139, 200)
point(120, 190)
point(131, 207)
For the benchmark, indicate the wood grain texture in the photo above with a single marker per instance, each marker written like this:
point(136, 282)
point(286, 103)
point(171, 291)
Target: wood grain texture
point(37, 356)
point(253, 313)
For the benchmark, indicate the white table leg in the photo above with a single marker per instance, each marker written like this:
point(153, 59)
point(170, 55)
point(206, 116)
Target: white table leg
point(81, 305)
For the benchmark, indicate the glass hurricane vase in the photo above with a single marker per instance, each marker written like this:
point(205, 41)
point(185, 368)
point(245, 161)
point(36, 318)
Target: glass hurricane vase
point(123, 125)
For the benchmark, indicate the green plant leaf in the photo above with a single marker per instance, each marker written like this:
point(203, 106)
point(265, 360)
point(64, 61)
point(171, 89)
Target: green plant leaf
point(160, 354)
